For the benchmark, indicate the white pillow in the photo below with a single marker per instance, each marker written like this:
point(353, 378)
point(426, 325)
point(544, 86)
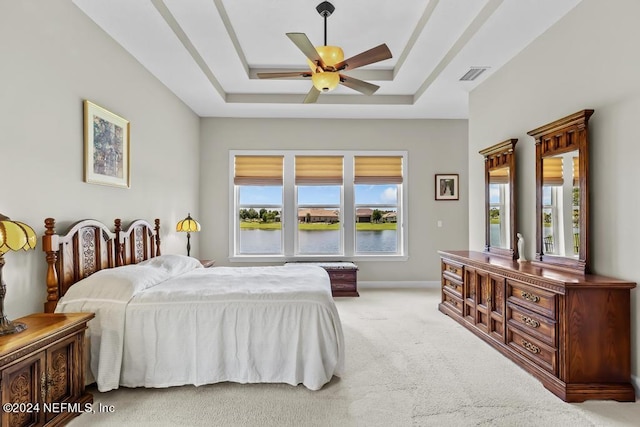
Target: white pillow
point(173, 264)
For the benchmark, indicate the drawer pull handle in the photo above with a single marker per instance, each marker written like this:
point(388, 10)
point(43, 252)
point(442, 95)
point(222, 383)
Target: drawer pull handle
point(532, 348)
point(453, 269)
point(530, 322)
point(530, 297)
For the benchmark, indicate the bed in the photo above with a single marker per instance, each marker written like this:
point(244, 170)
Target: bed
point(164, 320)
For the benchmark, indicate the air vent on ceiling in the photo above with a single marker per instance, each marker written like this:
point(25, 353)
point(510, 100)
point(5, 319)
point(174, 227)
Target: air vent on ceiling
point(472, 74)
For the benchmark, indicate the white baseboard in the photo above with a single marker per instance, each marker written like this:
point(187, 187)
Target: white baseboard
point(635, 381)
point(398, 285)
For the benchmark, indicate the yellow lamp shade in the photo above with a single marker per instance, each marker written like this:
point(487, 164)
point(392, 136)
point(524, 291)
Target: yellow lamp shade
point(15, 236)
point(325, 81)
point(330, 55)
point(188, 225)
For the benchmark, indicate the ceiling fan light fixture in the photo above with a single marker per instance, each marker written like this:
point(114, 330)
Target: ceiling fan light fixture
point(331, 55)
point(326, 81)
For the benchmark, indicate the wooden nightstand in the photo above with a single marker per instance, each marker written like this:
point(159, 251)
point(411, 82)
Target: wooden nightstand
point(42, 370)
point(206, 263)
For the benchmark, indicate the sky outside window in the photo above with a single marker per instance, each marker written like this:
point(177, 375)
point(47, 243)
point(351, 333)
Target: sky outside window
point(319, 195)
point(261, 195)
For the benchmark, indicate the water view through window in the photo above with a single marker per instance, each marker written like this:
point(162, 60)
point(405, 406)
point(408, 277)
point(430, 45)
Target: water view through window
point(319, 219)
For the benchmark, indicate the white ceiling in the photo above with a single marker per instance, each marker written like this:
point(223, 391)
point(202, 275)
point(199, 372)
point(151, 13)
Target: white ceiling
point(207, 52)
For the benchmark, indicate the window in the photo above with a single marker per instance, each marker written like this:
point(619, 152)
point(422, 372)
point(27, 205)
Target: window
point(377, 182)
point(258, 210)
point(319, 201)
point(290, 205)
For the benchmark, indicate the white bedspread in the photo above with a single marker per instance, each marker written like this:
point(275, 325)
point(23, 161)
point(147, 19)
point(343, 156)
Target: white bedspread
point(166, 322)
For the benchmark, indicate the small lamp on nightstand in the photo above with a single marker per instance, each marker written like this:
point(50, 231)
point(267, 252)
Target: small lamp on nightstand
point(14, 236)
point(188, 225)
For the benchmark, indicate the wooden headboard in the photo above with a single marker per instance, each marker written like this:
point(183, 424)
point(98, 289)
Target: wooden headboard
point(89, 246)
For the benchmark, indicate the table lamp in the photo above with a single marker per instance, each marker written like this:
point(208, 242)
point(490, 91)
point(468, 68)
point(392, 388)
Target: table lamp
point(14, 236)
point(188, 225)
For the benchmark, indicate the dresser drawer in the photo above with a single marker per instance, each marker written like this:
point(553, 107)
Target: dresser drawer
point(533, 349)
point(535, 299)
point(452, 301)
point(452, 269)
point(532, 323)
point(453, 286)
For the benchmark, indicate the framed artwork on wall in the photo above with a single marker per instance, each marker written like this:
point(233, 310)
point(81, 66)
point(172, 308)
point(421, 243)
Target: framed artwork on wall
point(447, 186)
point(106, 147)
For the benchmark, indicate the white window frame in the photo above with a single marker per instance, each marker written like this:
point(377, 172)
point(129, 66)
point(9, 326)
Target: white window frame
point(289, 212)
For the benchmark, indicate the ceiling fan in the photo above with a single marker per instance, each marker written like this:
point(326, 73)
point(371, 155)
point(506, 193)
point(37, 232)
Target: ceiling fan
point(327, 62)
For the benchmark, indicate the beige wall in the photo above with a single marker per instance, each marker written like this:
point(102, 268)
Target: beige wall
point(434, 146)
point(587, 60)
point(53, 57)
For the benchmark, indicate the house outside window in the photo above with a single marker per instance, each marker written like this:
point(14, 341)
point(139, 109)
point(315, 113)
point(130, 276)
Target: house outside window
point(308, 205)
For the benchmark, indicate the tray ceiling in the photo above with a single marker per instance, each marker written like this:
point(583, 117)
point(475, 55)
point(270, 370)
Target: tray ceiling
point(208, 52)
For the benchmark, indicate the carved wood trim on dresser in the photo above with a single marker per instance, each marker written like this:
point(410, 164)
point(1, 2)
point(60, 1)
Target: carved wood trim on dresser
point(571, 331)
point(42, 370)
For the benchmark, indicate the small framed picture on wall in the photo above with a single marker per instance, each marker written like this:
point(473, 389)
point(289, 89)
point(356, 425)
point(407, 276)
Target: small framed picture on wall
point(447, 186)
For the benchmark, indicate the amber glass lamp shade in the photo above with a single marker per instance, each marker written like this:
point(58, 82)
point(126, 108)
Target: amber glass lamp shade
point(14, 236)
point(326, 81)
point(188, 225)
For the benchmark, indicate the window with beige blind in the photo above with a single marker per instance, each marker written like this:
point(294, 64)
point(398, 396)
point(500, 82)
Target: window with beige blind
point(307, 205)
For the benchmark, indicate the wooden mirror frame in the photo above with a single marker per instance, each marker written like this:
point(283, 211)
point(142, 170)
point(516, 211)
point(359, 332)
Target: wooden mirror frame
point(562, 136)
point(496, 157)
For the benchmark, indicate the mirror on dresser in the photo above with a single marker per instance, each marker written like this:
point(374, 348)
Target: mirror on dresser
point(562, 193)
point(500, 199)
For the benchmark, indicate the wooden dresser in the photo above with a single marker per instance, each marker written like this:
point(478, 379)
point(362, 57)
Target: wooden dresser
point(569, 330)
point(42, 371)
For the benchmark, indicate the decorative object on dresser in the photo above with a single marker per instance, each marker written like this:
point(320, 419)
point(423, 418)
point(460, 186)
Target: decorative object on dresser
point(447, 187)
point(42, 370)
point(500, 199)
point(343, 276)
point(521, 257)
point(562, 186)
point(14, 236)
point(106, 147)
point(569, 330)
point(188, 225)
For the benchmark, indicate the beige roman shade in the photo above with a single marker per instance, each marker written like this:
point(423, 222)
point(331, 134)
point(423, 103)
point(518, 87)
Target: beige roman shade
point(378, 170)
point(499, 176)
point(258, 170)
point(319, 170)
point(552, 171)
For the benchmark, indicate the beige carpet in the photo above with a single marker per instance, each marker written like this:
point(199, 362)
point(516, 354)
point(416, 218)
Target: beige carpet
point(407, 365)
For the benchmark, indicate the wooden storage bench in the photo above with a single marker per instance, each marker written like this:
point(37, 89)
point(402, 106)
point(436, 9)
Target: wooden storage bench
point(343, 276)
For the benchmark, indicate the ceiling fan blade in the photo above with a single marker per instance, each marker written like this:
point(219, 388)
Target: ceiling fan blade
point(312, 96)
point(284, 75)
point(376, 54)
point(304, 44)
point(359, 85)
